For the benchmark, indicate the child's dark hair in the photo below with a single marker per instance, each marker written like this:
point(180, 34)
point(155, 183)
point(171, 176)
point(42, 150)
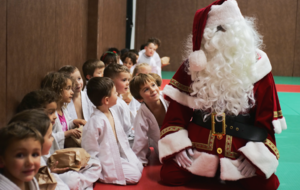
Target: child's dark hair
point(143, 46)
point(98, 88)
point(115, 50)
point(67, 69)
point(56, 82)
point(37, 118)
point(153, 40)
point(157, 78)
point(137, 82)
point(90, 66)
point(134, 51)
point(109, 57)
point(123, 51)
point(17, 131)
point(37, 99)
point(130, 55)
point(113, 70)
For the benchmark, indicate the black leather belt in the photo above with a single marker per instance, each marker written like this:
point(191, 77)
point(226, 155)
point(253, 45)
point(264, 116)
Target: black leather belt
point(241, 126)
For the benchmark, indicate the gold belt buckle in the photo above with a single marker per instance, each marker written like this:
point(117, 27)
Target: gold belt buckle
point(219, 135)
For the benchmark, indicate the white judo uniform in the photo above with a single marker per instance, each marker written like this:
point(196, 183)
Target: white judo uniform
point(147, 131)
point(134, 106)
point(6, 184)
point(119, 163)
point(122, 109)
point(84, 178)
point(87, 107)
point(60, 184)
point(58, 134)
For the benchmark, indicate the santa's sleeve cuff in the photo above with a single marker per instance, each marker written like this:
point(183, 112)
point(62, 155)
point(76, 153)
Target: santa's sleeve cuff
point(261, 157)
point(279, 125)
point(173, 143)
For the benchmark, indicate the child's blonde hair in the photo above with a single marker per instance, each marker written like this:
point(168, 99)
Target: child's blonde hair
point(157, 78)
point(137, 82)
point(138, 68)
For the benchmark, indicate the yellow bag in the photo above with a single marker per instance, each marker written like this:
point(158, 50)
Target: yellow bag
point(73, 158)
point(45, 179)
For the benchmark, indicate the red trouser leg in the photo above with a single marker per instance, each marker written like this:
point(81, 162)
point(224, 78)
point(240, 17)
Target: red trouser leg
point(172, 174)
point(259, 183)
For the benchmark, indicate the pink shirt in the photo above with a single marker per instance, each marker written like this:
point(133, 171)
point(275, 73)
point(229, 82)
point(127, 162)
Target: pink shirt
point(63, 122)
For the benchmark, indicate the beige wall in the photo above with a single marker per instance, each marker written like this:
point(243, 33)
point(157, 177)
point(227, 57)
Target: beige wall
point(171, 21)
point(38, 36)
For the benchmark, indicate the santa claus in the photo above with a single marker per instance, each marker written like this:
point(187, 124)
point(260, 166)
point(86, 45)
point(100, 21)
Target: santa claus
point(224, 108)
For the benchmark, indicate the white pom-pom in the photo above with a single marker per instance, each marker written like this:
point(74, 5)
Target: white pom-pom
point(197, 61)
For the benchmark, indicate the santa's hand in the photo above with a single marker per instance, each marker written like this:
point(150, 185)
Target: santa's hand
point(246, 168)
point(183, 159)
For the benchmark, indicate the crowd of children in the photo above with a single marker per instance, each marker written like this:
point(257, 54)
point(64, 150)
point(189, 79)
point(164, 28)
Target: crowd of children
point(117, 117)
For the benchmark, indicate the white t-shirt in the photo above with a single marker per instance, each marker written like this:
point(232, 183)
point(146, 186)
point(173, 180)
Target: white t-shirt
point(153, 61)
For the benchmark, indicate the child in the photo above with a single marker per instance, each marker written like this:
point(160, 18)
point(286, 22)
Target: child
point(141, 68)
point(39, 120)
point(149, 55)
point(42, 98)
point(150, 116)
point(92, 68)
point(121, 76)
point(20, 152)
point(129, 60)
point(80, 106)
point(118, 53)
point(109, 57)
point(64, 126)
point(104, 138)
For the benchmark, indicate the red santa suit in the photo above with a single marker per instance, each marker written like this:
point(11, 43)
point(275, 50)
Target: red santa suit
point(210, 152)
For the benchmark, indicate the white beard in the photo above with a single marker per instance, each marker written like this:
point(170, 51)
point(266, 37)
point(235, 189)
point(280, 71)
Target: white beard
point(225, 86)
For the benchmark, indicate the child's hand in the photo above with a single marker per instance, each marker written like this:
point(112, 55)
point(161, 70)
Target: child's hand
point(73, 132)
point(53, 169)
point(145, 164)
point(127, 98)
point(79, 122)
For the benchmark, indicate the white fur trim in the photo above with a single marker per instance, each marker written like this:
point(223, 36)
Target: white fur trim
point(197, 61)
point(283, 123)
point(261, 157)
point(226, 13)
point(204, 164)
point(262, 67)
point(173, 143)
point(180, 97)
point(229, 170)
point(277, 126)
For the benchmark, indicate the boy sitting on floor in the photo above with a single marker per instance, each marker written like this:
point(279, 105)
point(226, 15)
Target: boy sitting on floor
point(150, 115)
point(104, 138)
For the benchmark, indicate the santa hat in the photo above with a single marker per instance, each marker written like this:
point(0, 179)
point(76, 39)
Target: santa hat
point(218, 13)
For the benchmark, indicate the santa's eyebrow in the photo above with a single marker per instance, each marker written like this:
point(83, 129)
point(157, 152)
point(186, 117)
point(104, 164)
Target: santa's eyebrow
point(220, 28)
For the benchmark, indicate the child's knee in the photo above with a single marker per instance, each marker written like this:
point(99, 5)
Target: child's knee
point(134, 177)
point(71, 179)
